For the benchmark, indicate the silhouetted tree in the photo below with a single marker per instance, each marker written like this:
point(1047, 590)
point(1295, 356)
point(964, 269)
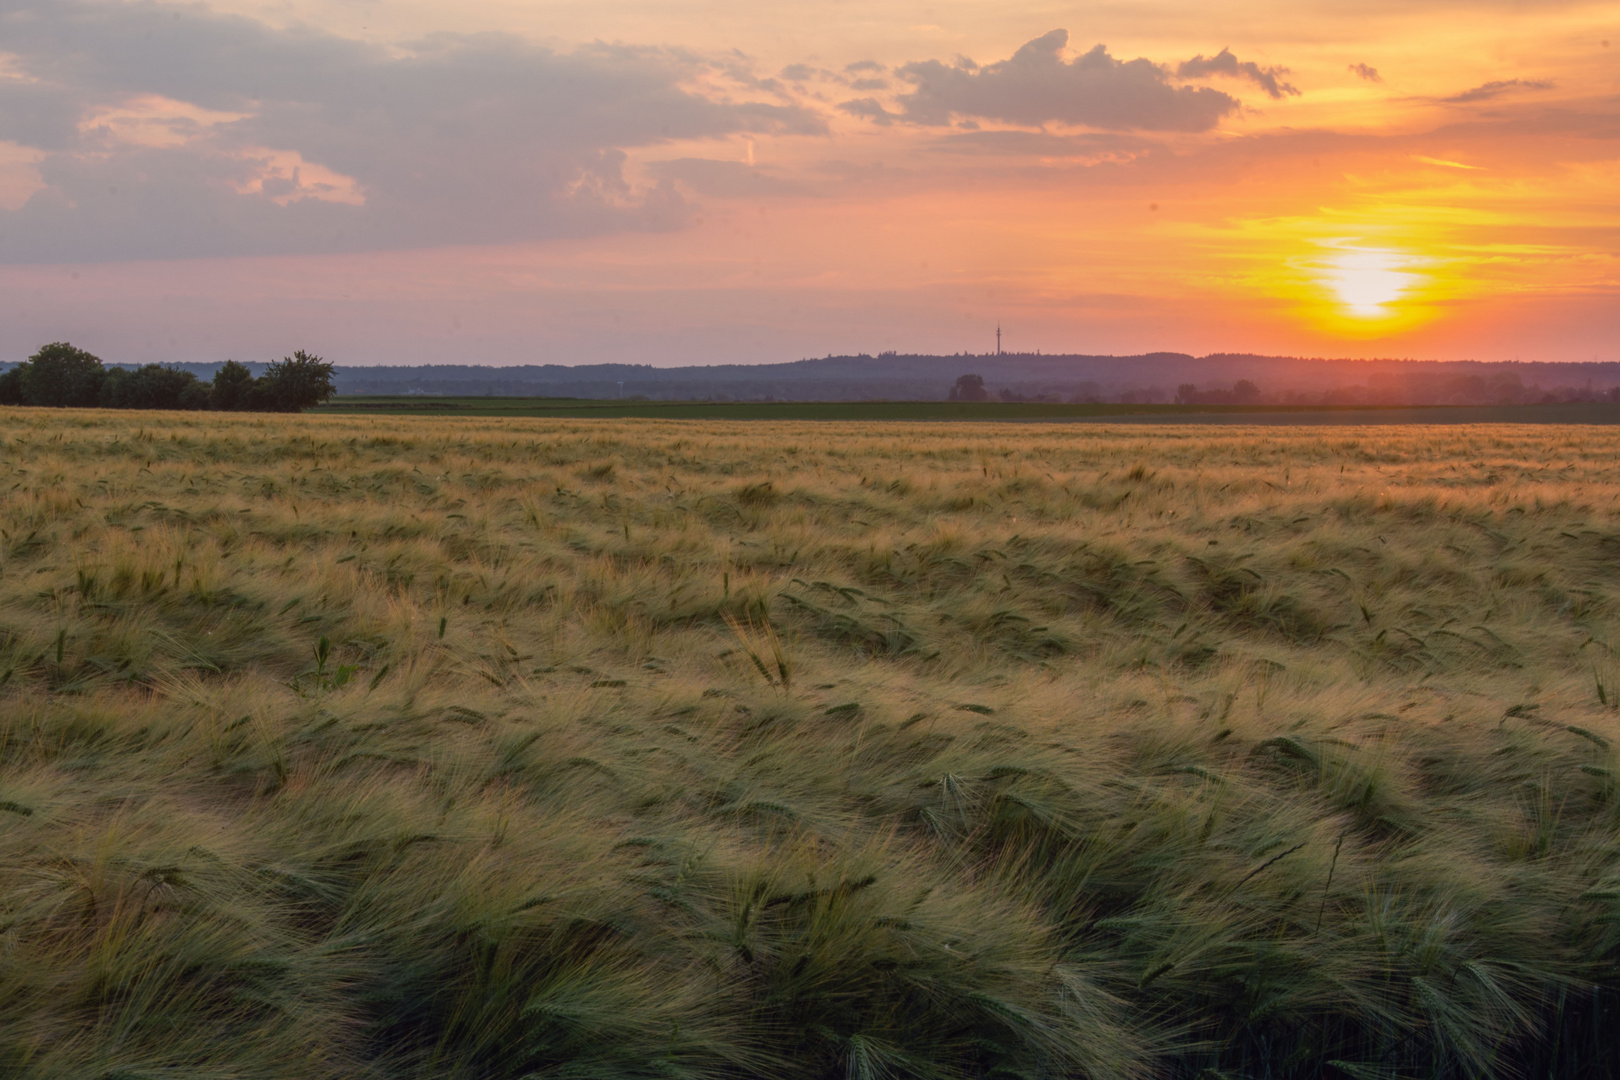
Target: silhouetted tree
point(293, 383)
point(11, 387)
point(233, 388)
point(62, 376)
point(969, 388)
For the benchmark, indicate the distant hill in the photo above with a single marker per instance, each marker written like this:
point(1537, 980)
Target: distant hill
point(1016, 376)
point(1065, 377)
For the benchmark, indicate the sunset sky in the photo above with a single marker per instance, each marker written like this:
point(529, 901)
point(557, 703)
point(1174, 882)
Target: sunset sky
point(694, 181)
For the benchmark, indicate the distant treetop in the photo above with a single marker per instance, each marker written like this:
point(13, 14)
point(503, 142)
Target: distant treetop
point(969, 388)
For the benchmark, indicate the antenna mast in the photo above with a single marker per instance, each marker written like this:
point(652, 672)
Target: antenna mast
point(998, 339)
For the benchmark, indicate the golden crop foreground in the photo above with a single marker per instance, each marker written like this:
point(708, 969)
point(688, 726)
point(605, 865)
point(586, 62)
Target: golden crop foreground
point(384, 747)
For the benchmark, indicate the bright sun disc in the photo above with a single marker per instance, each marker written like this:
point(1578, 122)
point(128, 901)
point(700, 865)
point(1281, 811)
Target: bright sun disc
point(1368, 280)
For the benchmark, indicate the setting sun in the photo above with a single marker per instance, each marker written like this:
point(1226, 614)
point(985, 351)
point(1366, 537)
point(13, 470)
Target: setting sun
point(1367, 281)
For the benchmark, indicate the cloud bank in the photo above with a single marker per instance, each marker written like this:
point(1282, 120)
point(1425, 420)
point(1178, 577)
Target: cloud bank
point(175, 132)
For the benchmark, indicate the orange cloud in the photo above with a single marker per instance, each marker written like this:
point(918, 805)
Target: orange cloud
point(153, 121)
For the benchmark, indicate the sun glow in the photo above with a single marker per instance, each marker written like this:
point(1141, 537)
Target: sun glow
point(1367, 281)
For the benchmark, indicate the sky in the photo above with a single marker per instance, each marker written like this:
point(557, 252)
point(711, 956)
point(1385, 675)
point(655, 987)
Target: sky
point(703, 181)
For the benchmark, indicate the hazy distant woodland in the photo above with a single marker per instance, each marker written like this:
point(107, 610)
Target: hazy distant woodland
point(1155, 377)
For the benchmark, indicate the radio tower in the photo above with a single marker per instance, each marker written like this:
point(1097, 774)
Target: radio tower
point(998, 339)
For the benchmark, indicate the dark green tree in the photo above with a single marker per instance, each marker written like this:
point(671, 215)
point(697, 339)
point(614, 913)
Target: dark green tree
point(233, 388)
point(62, 376)
point(969, 388)
point(11, 387)
point(294, 383)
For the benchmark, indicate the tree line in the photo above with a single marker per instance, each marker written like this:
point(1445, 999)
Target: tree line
point(63, 376)
point(1243, 392)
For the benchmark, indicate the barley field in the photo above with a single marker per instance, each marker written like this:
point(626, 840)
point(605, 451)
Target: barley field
point(395, 747)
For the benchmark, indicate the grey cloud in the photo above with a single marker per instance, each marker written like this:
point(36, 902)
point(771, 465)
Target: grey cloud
point(1037, 86)
point(798, 72)
point(1366, 72)
point(1039, 144)
point(1495, 89)
point(862, 67)
point(869, 84)
point(874, 173)
point(724, 179)
point(868, 109)
point(453, 139)
point(38, 115)
point(1268, 79)
point(738, 67)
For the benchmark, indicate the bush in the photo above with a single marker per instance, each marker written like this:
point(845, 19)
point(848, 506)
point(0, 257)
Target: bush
point(152, 387)
point(194, 395)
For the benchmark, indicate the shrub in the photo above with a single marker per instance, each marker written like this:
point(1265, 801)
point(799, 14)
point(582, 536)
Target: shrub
point(152, 387)
point(194, 395)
